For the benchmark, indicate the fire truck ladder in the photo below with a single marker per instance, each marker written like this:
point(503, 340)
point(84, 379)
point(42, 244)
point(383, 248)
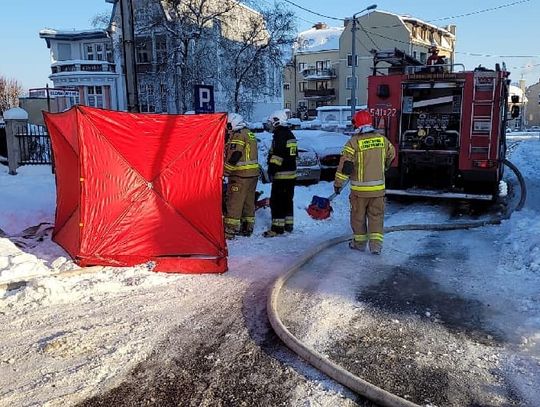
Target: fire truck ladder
point(482, 98)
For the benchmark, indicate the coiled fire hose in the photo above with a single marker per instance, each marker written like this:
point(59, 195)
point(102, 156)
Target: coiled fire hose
point(336, 372)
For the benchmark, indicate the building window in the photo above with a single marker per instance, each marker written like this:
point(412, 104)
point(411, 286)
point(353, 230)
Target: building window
point(350, 82)
point(414, 54)
point(99, 52)
point(89, 50)
point(64, 52)
point(301, 66)
point(161, 50)
point(95, 96)
point(349, 60)
point(302, 86)
point(423, 57)
point(287, 105)
point(302, 104)
point(146, 98)
point(143, 52)
point(108, 52)
point(286, 86)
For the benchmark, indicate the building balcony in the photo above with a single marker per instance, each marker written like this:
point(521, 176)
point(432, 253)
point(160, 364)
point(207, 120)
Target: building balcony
point(320, 94)
point(83, 66)
point(315, 74)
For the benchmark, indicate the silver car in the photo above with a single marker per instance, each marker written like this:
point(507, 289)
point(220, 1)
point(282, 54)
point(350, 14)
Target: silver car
point(308, 166)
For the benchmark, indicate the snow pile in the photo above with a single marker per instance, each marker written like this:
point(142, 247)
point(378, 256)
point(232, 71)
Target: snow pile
point(28, 198)
point(15, 263)
point(322, 39)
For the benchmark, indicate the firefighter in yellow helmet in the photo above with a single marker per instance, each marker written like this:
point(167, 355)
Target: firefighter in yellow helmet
point(364, 160)
point(242, 169)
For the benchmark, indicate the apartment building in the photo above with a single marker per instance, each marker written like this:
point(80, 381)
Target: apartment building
point(82, 63)
point(378, 30)
point(532, 109)
point(311, 77)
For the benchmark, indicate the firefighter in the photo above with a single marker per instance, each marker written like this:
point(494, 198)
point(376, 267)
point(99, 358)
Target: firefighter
point(364, 160)
point(242, 169)
point(435, 59)
point(282, 172)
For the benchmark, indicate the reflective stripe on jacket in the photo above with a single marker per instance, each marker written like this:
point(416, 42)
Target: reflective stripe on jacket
point(371, 154)
point(244, 142)
point(282, 155)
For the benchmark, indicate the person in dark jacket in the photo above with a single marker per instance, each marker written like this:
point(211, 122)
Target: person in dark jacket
point(282, 172)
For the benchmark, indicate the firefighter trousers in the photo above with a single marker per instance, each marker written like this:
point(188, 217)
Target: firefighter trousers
point(367, 222)
point(281, 205)
point(240, 205)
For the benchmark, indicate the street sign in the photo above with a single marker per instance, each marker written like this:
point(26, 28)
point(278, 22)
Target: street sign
point(204, 99)
point(52, 92)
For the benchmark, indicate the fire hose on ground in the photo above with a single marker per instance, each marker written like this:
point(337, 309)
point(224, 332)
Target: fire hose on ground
point(316, 359)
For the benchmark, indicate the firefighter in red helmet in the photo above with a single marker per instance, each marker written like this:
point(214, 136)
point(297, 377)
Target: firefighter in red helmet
point(435, 59)
point(364, 160)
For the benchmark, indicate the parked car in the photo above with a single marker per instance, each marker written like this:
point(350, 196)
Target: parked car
point(328, 146)
point(534, 128)
point(307, 162)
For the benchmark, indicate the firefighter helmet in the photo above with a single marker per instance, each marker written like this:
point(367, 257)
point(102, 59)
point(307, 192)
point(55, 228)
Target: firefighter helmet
point(362, 118)
point(278, 118)
point(236, 121)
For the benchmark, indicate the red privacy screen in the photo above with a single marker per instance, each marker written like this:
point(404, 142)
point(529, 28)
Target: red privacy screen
point(139, 188)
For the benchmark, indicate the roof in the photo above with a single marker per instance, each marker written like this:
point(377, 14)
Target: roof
point(317, 40)
point(72, 35)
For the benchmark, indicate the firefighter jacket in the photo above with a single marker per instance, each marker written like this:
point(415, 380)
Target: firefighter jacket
point(364, 159)
point(241, 158)
point(282, 154)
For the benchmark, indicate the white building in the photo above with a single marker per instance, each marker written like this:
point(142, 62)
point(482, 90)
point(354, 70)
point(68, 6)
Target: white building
point(83, 61)
point(166, 76)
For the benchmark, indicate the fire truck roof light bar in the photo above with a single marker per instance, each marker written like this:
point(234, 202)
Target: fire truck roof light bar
point(435, 194)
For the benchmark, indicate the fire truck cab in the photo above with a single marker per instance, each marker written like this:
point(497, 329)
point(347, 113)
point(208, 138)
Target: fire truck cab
point(448, 126)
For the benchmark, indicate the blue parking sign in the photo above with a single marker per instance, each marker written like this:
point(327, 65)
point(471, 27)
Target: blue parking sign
point(203, 99)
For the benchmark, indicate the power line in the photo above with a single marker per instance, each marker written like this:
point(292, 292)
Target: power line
point(473, 54)
point(313, 12)
point(481, 11)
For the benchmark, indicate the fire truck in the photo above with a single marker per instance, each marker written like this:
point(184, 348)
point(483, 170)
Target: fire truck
point(448, 125)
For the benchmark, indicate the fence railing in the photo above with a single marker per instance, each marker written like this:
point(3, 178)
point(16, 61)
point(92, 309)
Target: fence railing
point(34, 145)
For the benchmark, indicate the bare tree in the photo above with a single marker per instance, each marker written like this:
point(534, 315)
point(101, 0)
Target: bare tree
point(10, 90)
point(191, 29)
point(101, 20)
point(259, 49)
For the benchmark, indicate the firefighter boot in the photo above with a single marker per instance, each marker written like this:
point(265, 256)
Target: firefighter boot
point(230, 234)
point(289, 224)
point(360, 246)
point(246, 229)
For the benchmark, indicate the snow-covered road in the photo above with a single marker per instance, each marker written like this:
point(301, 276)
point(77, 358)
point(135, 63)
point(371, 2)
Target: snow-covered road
point(130, 337)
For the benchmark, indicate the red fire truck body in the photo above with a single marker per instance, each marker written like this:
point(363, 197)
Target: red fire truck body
point(448, 128)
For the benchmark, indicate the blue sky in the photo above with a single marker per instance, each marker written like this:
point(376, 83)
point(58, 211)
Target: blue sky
point(509, 31)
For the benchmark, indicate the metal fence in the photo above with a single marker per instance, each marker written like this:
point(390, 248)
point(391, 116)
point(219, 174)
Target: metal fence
point(34, 145)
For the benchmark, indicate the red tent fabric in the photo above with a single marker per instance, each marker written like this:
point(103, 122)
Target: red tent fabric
point(136, 188)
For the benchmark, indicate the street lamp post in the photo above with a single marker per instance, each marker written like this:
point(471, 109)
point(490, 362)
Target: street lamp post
point(353, 59)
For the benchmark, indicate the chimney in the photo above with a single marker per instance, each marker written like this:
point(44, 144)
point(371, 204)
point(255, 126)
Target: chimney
point(346, 21)
point(451, 28)
point(522, 85)
point(320, 26)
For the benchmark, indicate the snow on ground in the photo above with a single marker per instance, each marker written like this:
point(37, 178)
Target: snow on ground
point(65, 339)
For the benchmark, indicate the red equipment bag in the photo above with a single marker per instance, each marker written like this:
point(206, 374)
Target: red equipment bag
point(319, 208)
